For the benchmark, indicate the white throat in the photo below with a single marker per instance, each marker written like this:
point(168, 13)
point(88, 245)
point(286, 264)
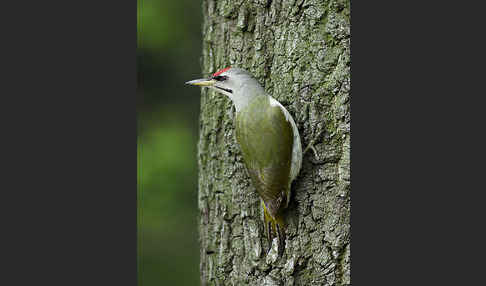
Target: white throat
point(244, 92)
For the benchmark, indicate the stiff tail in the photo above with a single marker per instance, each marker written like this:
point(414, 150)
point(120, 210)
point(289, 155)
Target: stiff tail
point(275, 226)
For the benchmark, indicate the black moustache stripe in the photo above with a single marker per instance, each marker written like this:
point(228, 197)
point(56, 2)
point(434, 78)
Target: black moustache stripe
point(225, 89)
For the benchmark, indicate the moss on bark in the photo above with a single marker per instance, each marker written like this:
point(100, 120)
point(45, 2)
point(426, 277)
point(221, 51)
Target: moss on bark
point(299, 50)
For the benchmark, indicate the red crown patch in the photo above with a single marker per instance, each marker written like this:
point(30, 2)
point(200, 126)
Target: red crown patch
point(221, 71)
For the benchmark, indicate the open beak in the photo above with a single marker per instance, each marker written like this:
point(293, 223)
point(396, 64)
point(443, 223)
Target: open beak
point(202, 82)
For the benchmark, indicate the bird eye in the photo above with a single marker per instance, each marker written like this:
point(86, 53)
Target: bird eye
point(220, 78)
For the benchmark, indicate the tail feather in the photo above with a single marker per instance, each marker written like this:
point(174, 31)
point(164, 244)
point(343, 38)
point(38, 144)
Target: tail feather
point(275, 225)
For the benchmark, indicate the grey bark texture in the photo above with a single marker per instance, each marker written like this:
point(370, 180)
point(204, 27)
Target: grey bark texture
point(299, 50)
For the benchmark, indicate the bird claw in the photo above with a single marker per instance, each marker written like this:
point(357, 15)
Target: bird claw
point(311, 147)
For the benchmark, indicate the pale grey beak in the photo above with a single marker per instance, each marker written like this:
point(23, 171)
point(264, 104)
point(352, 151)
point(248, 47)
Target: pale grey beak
point(202, 82)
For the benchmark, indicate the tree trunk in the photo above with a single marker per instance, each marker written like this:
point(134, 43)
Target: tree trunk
point(299, 50)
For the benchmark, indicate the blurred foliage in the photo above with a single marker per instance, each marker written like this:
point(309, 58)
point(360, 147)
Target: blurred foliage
point(168, 53)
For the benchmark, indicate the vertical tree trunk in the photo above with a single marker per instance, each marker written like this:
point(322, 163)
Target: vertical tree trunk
point(299, 50)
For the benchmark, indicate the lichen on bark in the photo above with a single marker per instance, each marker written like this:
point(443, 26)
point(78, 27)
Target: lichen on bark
point(299, 50)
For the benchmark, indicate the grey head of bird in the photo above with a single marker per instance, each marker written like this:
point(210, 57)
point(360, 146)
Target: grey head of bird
point(238, 84)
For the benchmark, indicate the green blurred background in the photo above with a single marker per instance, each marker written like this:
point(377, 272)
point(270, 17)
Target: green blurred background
point(168, 54)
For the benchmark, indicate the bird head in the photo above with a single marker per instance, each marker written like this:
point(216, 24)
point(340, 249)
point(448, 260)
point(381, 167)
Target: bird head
point(238, 84)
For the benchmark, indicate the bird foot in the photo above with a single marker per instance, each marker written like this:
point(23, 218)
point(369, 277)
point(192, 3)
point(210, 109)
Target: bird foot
point(310, 146)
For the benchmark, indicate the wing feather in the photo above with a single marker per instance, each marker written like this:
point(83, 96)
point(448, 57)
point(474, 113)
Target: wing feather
point(271, 149)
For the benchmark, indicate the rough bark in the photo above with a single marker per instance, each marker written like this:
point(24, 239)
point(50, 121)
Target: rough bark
point(299, 50)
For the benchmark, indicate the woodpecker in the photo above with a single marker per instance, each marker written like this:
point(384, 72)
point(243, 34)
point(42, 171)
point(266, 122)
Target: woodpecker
point(268, 138)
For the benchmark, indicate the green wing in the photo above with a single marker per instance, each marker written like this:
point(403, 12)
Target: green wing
point(265, 137)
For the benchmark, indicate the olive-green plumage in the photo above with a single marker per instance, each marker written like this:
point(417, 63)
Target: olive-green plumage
point(265, 138)
point(269, 141)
